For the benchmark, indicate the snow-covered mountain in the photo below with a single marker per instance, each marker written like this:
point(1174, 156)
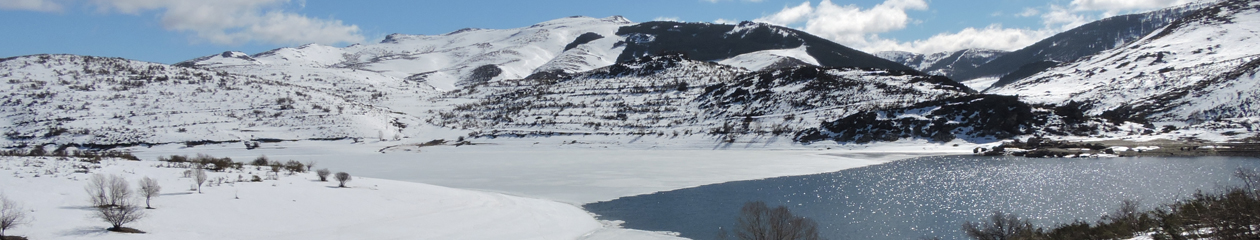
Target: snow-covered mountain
point(451, 60)
point(555, 48)
point(674, 95)
point(609, 76)
point(768, 44)
point(1078, 42)
point(1200, 68)
point(112, 101)
point(944, 63)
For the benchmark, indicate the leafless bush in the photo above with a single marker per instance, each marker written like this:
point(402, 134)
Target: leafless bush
point(342, 177)
point(323, 174)
point(759, 222)
point(199, 175)
point(123, 213)
point(1002, 226)
point(11, 214)
point(96, 190)
point(107, 191)
point(149, 188)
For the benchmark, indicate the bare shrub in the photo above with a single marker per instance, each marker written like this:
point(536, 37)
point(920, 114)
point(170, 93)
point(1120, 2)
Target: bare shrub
point(323, 174)
point(149, 188)
point(342, 178)
point(96, 190)
point(199, 175)
point(11, 214)
point(760, 222)
point(106, 191)
point(1002, 226)
point(294, 166)
point(275, 170)
point(123, 213)
point(260, 161)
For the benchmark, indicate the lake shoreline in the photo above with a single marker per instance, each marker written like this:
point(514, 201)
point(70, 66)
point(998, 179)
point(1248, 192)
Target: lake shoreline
point(1041, 147)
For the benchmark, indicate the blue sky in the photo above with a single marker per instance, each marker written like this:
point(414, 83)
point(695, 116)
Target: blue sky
point(170, 31)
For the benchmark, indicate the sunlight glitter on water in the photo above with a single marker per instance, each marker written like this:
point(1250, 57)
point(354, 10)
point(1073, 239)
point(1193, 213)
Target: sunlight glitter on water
point(932, 196)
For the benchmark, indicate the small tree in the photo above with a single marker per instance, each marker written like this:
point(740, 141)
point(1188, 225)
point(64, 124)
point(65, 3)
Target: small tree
point(342, 177)
point(294, 166)
point(199, 175)
point(1003, 226)
point(123, 213)
point(149, 188)
point(260, 161)
point(96, 190)
point(759, 222)
point(119, 190)
point(323, 174)
point(107, 191)
point(11, 214)
point(309, 165)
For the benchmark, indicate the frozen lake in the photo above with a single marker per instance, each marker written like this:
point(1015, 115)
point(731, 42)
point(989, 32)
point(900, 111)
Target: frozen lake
point(932, 196)
point(573, 175)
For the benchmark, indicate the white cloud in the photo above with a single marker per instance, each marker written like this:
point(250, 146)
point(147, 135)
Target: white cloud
point(31, 5)
point(667, 19)
point(789, 15)
point(221, 21)
point(1029, 12)
point(860, 28)
point(991, 37)
point(1061, 19)
point(1124, 5)
point(848, 25)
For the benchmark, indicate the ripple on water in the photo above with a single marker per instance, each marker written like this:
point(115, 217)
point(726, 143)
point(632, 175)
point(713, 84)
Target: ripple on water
point(932, 196)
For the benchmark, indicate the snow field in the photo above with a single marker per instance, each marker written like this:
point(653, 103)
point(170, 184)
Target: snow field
point(293, 207)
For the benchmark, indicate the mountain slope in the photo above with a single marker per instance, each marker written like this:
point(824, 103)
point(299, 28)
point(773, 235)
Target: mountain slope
point(673, 95)
point(446, 61)
point(105, 101)
point(715, 42)
point(1200, 68)
point(1079, 42)
point(943, 63)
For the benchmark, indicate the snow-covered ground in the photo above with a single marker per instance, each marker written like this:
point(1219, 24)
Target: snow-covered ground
point(293, 207)
point(532, 193)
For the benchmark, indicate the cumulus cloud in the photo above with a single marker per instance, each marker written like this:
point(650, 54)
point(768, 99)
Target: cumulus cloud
point(991, 37)
point(1062, 19)
point(667, 19)
point(219, 21)
point(31, 5)
point(860, 28)
point(848, 24)
point(239, 21)
point(789, 15)
point(1029, 12)
point(1124, 5)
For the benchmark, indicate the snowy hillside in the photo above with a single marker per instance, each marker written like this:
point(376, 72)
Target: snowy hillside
point(108, 101)
point(1085, 40)
point(1199, 68)
point(672, 95)
point(450, 60)
point(719, 42)
point(943, 63)
point(608, 76)
point(772, 59)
